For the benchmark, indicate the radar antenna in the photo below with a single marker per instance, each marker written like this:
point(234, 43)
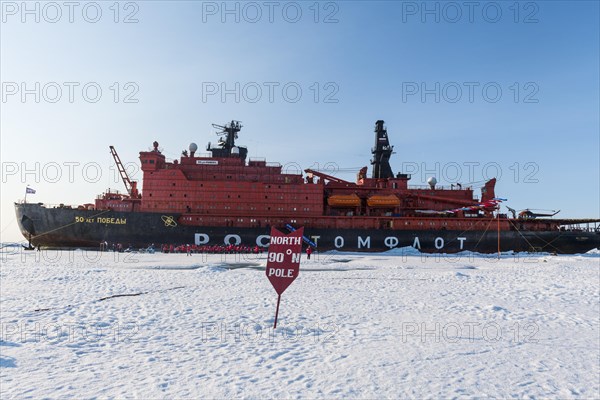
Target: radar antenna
point(226, 144)
point(231, 133)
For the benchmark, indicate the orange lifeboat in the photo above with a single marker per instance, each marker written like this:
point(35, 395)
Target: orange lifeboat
point(388, 201)
point(342, 200)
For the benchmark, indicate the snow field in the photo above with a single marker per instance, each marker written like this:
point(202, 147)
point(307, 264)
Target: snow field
point(395, 324)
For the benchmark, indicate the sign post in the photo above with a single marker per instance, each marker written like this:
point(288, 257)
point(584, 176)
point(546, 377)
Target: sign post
point(283, 261)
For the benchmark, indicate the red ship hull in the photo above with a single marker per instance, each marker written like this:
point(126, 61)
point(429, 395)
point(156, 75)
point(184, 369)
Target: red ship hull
point(72, 228)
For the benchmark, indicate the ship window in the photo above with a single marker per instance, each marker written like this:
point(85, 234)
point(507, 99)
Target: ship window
point(151, 161)
point(170, 194)
point(173, 183)
point(150, 194)
point(184, 195)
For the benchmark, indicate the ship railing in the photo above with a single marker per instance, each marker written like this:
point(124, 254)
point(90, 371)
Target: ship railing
point(273, 164)
point(62, 205)
point(582, 227)
point(440, 187)
point(109, 191)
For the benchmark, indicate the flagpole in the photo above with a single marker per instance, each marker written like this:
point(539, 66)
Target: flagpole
point(498, 216)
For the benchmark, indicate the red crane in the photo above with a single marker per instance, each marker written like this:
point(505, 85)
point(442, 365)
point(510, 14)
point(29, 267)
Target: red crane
point(130, 186)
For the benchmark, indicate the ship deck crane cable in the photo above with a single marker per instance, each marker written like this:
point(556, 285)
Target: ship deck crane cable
point(477, 223)
point(529, 243)
point(484, 232)
point(8, 225)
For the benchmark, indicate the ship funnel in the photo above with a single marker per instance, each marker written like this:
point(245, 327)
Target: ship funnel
point(381, 153)
point(432, 182)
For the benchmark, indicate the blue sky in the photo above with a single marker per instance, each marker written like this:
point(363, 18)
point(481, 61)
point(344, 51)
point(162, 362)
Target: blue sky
point(369, 61)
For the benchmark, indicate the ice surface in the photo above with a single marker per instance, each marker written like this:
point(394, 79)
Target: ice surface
point(395, 324)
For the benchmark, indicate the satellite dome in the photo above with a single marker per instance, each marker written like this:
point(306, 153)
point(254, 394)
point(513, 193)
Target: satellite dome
point(432, 181)
point(193, 147)
point(235, 150)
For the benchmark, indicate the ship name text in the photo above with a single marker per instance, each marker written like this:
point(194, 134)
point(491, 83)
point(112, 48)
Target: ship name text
point(341, 242)
point(101, 220)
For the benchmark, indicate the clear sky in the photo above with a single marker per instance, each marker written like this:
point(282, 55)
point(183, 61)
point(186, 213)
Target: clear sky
point(468, 90)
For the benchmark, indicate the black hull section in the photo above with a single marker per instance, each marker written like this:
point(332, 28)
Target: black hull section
point(69, 228)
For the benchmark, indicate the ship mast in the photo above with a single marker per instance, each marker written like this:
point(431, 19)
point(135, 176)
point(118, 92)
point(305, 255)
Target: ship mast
point(226, 145)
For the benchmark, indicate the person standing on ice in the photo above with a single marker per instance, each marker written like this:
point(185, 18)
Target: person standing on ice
point(308, 252)
point(188, 249)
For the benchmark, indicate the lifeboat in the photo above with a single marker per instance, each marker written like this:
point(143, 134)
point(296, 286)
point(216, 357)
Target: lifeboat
point(342, 200)
point(388, 201)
